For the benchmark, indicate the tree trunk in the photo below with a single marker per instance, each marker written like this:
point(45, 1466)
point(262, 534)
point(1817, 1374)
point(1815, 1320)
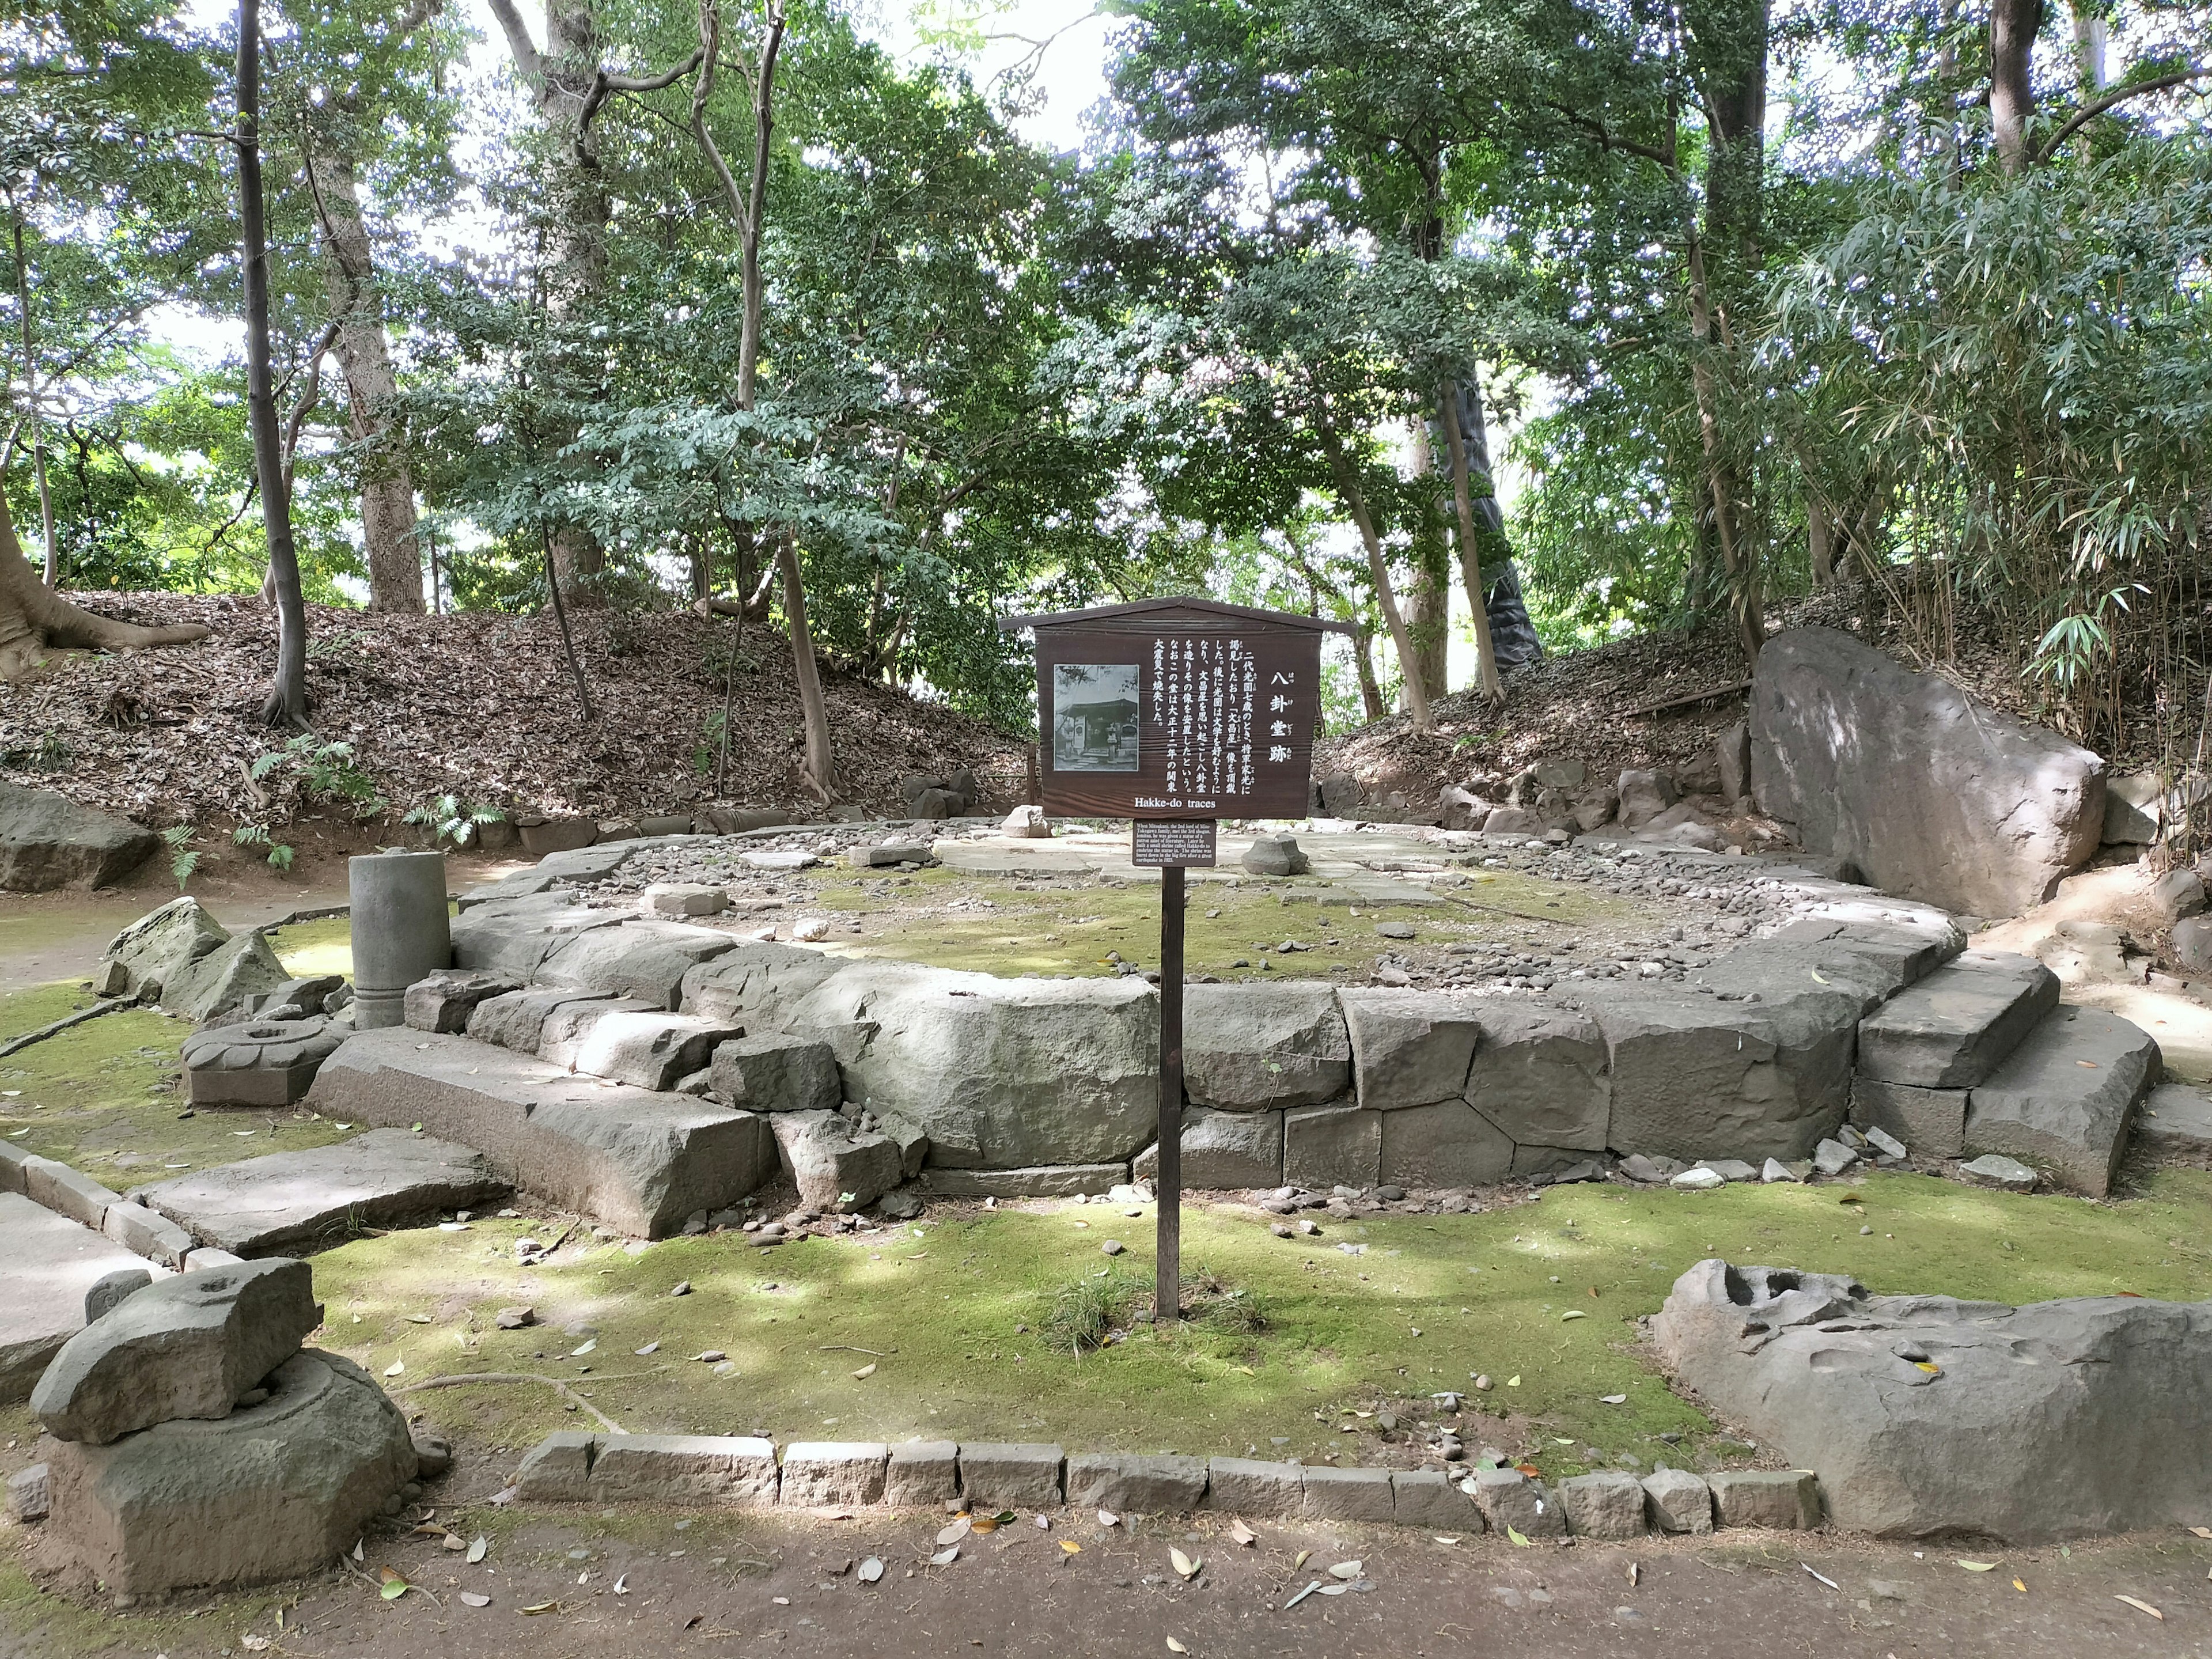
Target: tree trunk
point(1731, 71)
point(2013, 25)
point(1428, 596)
point(1819, 544)
point(34, 619)
point(1737, 558)
point(287, 702)
point(1363, 664)
point(1386, 593)
point(1470, 547)
point(53, 559)
point(814, 712)
point(387, 487)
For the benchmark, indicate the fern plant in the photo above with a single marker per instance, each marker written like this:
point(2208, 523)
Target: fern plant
point(449, 818)
point(183, 858)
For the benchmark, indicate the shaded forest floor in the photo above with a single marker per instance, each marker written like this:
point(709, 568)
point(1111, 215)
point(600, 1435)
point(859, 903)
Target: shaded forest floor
point(478, 705)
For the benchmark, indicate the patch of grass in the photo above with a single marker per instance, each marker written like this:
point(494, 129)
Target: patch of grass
point(309, 948)
point(1084, 1312)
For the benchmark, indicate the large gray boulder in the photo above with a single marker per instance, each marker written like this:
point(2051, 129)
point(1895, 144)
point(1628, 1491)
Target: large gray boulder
point(274, 1491)
point(158, 946)
point(227, 981)
point(511, 936)
point(998, 1073)
point(643, 959)
point(1925, 1416)
point(1929, 793)
point(757, 983)
point(1249, 1047)
point(188, 1347)
point(48, 840)
point(2063, 1100)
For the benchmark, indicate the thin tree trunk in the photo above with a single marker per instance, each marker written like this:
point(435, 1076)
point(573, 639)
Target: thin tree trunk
point(1386, 592)
point(388, 487)
point(813, 711)
point(1819, 543)
point(31, 386)
point(1428, 597)
point(286, 703)
point(1470, 548)
point(1720, 477)
point(2013, 25)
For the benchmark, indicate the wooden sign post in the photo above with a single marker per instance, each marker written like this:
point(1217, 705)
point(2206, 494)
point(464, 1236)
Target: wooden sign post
point(1175, 714)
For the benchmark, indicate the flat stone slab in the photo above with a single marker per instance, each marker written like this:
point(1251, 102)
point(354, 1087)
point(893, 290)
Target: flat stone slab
point(2176, 1117)
point(2062, 1099)
point(632, 1159)
point(827, 1473)
point(52, 1261)
point(1045, 1180)
point(1953, 1029)
point(288, 1200)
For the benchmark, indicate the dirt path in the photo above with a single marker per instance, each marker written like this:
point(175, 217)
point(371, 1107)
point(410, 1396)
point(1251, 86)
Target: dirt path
point(724, 1584)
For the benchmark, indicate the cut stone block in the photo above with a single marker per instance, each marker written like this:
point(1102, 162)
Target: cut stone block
point(1427, 1498)
point(1248, 1047)
point(633, 1159)
point(299, 999)
point(1507, 1497)
point(560, 834)
point(627, 1044)
point(1326, 1146)
point(1447, 1144)
point(1787, 1500)
point(145, 1232)
point(113, 1289)
point(517, 1019)
point(557, 1470)
point(769, 1072)
point(683, 1468)
point(1607, 1504)
point(13, 1157)
point(837, 1167)
point(824, 1474)
point(66, 1192)
point(1995, 1169)
point(444, 1001)
point(319, 1196)
point(643, 959)
point(207, 1256)
point(1334, 1494)
point(1681, 1502)
point(922, 1473)
point(262, 1062)
point(1409, 1047)
point(2175, 1117)
point(1539, 1076)
point(186, 1347)
point(888, 854)
point(1130, 1481)
point(1223, 1152)
point(1930, 1121)
point(2063, 1098)
point(30, 1493)
point(1050, 1181)
point(1244, 1486)
point(684, 898)
point(274, 1491)
point(1953, 1029)
point(512, 936)
point(1000, 1475)
point(51, 1263)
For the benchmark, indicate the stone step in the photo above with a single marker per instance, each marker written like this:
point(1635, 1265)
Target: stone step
point(2063, 1100)
point(1954, 1027)
point(52, 1262)
point(290, 1202)
point(634, 1159)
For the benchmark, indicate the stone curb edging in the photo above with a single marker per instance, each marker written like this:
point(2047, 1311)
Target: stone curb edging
point(142, 1232)
point(743, 1472)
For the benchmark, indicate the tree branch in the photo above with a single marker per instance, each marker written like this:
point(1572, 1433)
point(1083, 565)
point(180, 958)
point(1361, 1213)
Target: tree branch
point(1607, 139)
point(526, 58)
point(604, 86)
point(2095, 108)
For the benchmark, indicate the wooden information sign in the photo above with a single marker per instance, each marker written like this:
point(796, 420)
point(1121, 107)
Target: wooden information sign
point(1175, 714)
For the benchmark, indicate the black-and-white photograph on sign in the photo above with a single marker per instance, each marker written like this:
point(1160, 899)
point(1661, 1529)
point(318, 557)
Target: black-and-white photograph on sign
point(1095, 709)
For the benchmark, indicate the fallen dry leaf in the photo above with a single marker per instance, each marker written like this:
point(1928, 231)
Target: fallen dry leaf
point(945, 1558)
point(471, 1599)
point(1304, 1557)
point(1243, 1533)
point(1107, 1518)
point(1346, 1569)
point(2140, 1607)
point(1071, 1547)
point(1184, 1564)
point(1978, 1566)
point(478, 1548)
point(954, 1533)
point(866, 1371)
point(1175, 1646)
point(871, 1569)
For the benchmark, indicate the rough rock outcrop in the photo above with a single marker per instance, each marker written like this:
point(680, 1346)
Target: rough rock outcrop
point(1928, 791)
point(1925, 1416)
point(48, 840)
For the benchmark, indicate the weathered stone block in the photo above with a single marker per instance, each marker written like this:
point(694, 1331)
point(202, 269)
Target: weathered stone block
point(729, 1470)
point(444, 1001)
point(1246, 1047)
point(1244, 1486)
point(922, 1473)
point(1681, 1502)
point(837, 1168)
point(769, 1072)
point(185, 1347)
point(1608, 1503)
point(682, 899)
point(629, 1044)
point(517, 1019)
point(557, 1470)
point(2175, 1117)
point(1929, 1121)
point(827, 1473)
point(1539, 1075)
point(1324, 1146)
point(67, 1191)
point(1047, 1180)
point(1508, 1499)
point(1409, 1047)
point(1953, 1029)
point(1164, 1485)
point(1427, 1498)
point(113, 1289)
point(145, 1232)
point(51, 1263)
point(1787, 1500)
point(30, 1493)
point(997, 1475)
point(13, 1157)
point(1449, 1144)
point(1334, 1494)
point(48, 840)
point(643, 959)
point(274, 1491)
point(261, 1062)
point(2062, 1099)
point(1224, 1152)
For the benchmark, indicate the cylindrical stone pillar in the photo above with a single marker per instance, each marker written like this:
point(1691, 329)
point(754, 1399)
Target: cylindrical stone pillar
point(400, 930)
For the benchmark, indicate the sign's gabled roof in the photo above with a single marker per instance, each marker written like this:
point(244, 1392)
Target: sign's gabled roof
point(1205, 607)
